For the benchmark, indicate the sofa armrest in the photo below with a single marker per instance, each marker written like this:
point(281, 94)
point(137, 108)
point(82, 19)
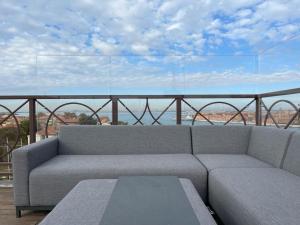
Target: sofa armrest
point(25, 159)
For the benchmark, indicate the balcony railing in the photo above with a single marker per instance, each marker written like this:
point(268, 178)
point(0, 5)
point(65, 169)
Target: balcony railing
point(20, 116)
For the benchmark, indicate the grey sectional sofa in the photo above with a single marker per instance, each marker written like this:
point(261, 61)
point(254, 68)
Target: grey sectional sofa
point(248, 175)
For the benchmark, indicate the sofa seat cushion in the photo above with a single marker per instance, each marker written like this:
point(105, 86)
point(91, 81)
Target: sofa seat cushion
point(255, 196)
point(51, 181)
point(213, 161)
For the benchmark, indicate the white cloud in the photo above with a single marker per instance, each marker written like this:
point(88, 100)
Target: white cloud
point(278, 10)
point(160, 26)
point(41, 75)
point(140, 48)
point(104, 47)
point(173, 27)
point(244, 13)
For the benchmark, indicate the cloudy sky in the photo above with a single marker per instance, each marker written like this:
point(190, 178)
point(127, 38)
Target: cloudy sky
point(149, 47)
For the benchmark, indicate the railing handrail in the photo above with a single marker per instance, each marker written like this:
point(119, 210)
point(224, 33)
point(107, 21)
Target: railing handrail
point(16, 97)
point(141, 96)
point(280, 93)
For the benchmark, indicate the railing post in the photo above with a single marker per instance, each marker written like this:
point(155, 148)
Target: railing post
point(114, 111)
point(32, 120)
point(178, 110)
point(258, 116)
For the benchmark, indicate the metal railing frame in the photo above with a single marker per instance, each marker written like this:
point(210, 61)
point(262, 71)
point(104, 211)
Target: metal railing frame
point(177, 100)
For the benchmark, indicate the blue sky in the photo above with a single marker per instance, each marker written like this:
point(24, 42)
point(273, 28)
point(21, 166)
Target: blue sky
point(149, 47)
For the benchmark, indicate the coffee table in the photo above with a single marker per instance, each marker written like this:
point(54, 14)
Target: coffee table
point(101, 202)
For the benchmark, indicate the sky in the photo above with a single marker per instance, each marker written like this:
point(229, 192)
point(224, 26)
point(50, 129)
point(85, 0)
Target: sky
point(148, 47)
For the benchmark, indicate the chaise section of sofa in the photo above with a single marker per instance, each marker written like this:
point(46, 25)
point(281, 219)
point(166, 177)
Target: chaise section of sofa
point(255, 196)
point(262, 196)
point(246, 181)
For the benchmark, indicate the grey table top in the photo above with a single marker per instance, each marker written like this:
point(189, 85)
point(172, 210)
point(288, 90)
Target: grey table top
point(86, 203)
point(149, 200)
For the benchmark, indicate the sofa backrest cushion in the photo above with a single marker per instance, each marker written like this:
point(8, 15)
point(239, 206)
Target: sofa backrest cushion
point(118, 140)
point(220, 139)
point(269, 144)
point(291, 162)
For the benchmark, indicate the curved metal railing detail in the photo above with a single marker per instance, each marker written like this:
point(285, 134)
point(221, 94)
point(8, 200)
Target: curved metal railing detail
point(6, 143)
point(219, 102)
point(53, 112)
point(63, 105)
point(147, 108)
point(238, 111)
point(11, 113)
point(270, 115)
point(198, 112)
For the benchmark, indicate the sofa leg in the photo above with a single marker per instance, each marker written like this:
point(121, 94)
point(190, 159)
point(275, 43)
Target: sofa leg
point(18, 212)
point(32, 208)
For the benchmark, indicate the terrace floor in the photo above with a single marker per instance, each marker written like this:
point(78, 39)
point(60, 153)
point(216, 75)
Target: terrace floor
point(8, 213)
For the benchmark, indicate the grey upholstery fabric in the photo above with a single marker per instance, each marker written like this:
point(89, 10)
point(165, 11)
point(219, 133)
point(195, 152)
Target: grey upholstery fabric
point(121, 140)
point(25, 159)
point(50, 182)
point(255, 196)
point(292, 160)
point(269, 144)
point(220, 139)
point(91, 197)
point(213, 161)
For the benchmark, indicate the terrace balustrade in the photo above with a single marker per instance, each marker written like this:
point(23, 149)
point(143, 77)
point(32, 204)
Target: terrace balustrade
point(263, 113)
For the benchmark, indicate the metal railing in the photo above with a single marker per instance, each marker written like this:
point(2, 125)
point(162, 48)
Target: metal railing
point(262, 114)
